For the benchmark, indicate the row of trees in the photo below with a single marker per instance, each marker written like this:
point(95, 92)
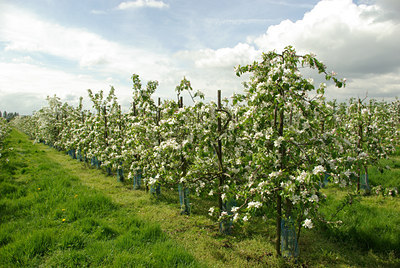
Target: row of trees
point(8, 116)
point(267, 149)
point(4, 132)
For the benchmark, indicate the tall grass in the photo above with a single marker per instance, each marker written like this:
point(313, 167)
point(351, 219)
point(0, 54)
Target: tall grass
point(368, 222)
point(388, 176)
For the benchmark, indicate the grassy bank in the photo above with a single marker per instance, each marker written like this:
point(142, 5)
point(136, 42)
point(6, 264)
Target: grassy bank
point(74, 215)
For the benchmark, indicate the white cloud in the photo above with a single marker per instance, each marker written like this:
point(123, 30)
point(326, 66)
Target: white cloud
point(289, 4)
point(331, 28)
point(24, 59)
point(390, 5)
point(142, 3)
point(23, 32)
point(99, 62)
point(98, 12)
point(31, 80)
point(390, 9)
point(23, 103)
point(42, 80)
point(220, 58)
point(220, 21)
point(352, 39)
point(360, 42)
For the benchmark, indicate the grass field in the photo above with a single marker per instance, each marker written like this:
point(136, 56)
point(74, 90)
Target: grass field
point(56, 211)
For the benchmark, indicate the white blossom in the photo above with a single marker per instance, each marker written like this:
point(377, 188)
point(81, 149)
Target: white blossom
point(308, 224)
point(318, 170)
point(234, 209)
point(314, 198)
point(211, 211)
point(255, 204)
point(301, 178)
point(223, 196)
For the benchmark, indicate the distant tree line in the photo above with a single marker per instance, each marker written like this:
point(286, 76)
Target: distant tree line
point(8, 116)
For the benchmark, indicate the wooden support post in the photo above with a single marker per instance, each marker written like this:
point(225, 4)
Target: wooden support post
point(105, 124)
point(282, 167)
point(359, 145)
point(219, 154)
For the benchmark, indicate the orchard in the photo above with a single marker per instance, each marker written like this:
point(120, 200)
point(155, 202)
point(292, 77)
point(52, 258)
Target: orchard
point(265, 153)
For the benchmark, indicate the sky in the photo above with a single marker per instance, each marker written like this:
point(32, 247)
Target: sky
point(64, 47)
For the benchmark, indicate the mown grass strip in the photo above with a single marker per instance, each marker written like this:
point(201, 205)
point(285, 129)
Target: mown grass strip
point(48, 218)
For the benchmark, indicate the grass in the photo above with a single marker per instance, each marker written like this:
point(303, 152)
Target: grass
point(388, 178)
point(109, 224)
point(49, 218)
point(371, 222)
